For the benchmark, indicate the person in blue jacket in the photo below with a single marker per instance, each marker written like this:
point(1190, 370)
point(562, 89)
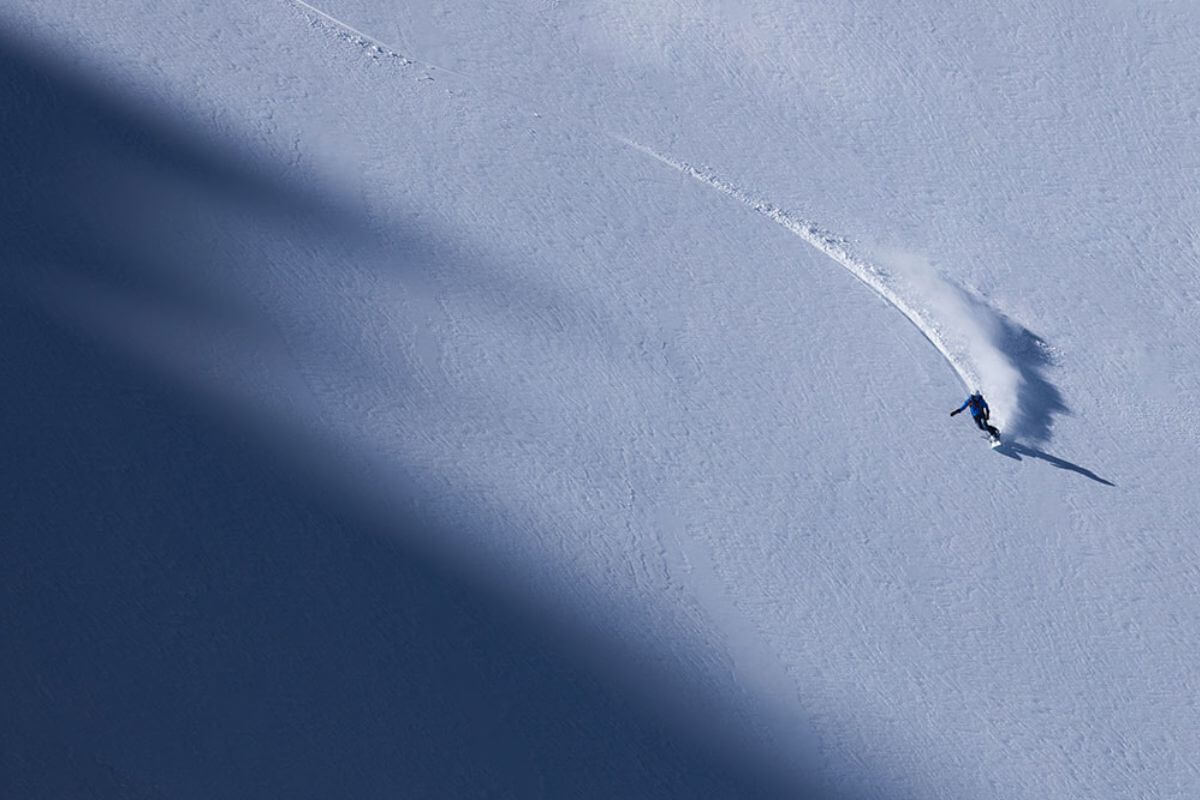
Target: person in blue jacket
point(980, 412)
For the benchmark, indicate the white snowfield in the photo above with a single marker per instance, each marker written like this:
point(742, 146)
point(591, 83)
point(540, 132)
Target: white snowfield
point(552, 399)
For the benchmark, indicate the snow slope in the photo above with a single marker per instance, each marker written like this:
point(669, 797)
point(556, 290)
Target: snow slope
point(552, 401)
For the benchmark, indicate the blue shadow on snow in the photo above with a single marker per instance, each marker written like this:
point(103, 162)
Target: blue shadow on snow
point(1016, 451)
point(187, 615)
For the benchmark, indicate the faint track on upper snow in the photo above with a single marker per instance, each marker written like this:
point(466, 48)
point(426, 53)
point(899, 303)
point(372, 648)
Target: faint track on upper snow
point(349, 28)
point(366, 39)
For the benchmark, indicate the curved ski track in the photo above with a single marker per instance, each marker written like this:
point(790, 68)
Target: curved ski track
point(832, 245)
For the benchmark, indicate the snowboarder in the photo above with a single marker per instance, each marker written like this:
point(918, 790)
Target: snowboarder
point(980, 412)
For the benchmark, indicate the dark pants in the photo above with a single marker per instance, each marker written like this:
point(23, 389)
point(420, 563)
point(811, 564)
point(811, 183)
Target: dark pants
point(983, 426)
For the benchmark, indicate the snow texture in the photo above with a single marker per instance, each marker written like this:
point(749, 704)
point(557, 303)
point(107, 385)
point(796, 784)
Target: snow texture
point(551, 399)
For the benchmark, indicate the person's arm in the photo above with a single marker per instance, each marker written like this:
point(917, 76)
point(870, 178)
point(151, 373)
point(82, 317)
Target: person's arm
point(960, 408)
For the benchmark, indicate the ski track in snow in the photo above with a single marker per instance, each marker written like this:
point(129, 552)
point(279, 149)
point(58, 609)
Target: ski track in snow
point(832, 245)
point(366, 40)
point(828, 243)
point(348, 28)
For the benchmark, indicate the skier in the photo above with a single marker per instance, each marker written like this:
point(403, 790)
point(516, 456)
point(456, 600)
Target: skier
point(980, 412)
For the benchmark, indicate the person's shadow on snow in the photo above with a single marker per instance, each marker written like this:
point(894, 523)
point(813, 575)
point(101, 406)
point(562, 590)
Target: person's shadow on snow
point(1015, 450)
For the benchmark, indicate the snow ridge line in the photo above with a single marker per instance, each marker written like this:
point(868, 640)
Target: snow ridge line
point(832, 245)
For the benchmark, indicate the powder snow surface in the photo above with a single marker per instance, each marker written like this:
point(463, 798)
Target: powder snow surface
point(551, 399)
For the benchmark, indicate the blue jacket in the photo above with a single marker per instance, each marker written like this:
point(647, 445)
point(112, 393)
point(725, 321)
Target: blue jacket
point(976, 403)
